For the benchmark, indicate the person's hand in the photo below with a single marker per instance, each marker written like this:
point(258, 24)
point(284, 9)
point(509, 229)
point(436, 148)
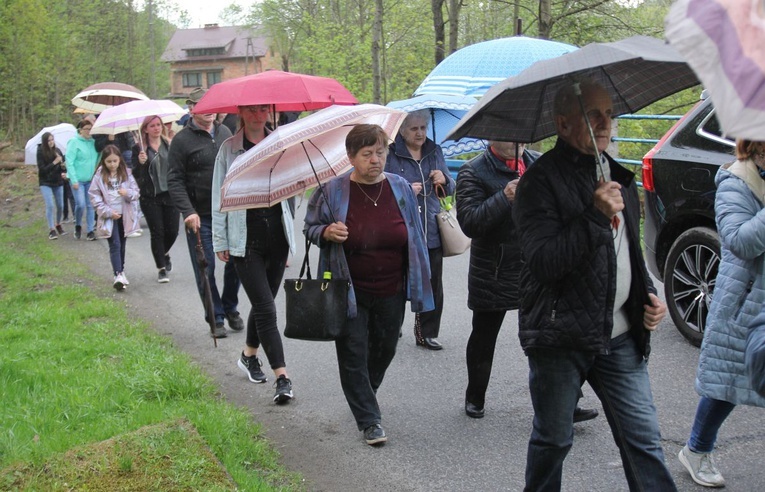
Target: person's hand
point(111, 138)
point(75, 186)
point(336, 232)
point(417, 188)
point(510, 189)
point(608, 198)
point(437, 177)
point(222, 256)
point(192, 222)
point(116, 215)
point(57, 160)
point(123, 192)
point(142, 157)
point(654, 312)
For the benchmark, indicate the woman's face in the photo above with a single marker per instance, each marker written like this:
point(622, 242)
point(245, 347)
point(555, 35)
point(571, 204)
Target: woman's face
point(255, 115)
point(85, 131)
point(414, 133)
point(369, 162)
point(154, 128)
point(112, 162)
point(51, 142)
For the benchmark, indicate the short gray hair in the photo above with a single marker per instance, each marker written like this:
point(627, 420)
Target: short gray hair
point(420, 114)
point(566, 100)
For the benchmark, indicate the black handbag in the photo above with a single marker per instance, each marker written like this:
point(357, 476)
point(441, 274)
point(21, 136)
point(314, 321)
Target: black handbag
point(317, 309)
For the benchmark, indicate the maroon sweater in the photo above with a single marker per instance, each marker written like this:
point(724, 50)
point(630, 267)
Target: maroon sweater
point(377, 240)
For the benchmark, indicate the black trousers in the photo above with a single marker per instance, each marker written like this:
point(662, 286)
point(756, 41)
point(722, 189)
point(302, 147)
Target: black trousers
point(480, 353)
point(430, 321)
point(163, 220)
point(365, 353)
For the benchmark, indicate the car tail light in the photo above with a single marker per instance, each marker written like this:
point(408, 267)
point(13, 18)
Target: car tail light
point(648, 184)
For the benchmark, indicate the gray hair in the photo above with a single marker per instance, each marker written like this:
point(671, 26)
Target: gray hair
point(566, 99)
point(420, 114)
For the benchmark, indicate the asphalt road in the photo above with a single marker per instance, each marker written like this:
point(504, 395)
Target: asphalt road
point(432, 445)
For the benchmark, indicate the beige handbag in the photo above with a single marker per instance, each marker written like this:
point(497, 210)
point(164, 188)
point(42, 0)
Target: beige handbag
point(453, 241)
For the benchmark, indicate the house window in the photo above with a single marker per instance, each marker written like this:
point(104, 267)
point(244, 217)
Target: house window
point(192, 79)
point(212, 78)
point(206, 52)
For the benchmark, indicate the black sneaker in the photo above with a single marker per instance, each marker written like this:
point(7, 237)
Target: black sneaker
point(61, 231)
point(91, 236)
point(77, 232)
point(168, 264)
point(52, 234)
point(162, 277)
point(235, 321)
point(374, 434)
point(283, 389)
point(219, 332)
point(251, 366)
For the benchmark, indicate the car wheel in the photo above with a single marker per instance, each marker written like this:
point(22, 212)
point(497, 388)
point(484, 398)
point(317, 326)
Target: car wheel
point(689, 280)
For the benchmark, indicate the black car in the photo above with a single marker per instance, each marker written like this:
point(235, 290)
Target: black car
point(682, 244)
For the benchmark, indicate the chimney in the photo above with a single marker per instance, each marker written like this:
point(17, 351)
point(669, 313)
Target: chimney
point(211, 26)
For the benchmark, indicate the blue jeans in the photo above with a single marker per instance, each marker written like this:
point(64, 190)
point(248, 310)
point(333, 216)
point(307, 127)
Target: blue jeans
point(117, 242)
point(54, 204)
point(227, 303)
point(365, 353)
point(710, 415)
point(620, 380)
point(82, 204)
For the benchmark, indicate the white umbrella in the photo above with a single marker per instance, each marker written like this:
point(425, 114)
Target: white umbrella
point(294, 157)
point(129, 116)
point(62, 133)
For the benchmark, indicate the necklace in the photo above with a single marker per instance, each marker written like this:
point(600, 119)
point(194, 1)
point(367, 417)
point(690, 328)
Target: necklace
point(373, 200)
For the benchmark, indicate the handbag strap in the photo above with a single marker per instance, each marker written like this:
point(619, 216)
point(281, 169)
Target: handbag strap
point(306, 264)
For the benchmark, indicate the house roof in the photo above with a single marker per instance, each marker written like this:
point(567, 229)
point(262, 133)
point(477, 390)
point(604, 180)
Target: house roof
point(232, 39)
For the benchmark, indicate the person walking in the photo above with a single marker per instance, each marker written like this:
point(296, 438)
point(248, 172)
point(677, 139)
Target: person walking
point(257, 242)
point(50, 175)
point(81, 159)
point(114, 194)
point(421, 162)
point(587, 303)
point(192, 162)
point(368, 228)
point(722, 380)
point(150, 168)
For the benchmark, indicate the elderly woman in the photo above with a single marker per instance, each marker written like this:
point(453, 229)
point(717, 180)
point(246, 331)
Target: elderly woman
point(421, 162)
point(81, 159)
point(257, 241)
point(368, 228)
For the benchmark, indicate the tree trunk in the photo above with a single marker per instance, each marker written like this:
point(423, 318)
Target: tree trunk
point(545, 18)
point(438, 27)
point(376, 41)
point(454, 24)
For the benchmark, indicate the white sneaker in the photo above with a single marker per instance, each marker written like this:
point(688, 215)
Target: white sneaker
point(118, 282)
point(124, 279)
point(702, 468)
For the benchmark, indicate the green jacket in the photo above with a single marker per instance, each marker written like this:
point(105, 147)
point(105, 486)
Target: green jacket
point(81, 159)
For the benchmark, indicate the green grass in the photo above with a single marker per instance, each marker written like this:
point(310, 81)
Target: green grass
point(75, 370)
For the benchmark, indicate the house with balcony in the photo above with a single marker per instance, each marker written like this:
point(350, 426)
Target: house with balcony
point(205, 56)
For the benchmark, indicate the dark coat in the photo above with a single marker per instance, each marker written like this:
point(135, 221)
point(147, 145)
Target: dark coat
point(485, 215)
point(192, 162)
point(49, 174)
point(145, 174)
point(568, 281)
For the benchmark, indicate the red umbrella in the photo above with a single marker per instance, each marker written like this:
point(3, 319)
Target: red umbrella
point(98, 97)
point(285, 91)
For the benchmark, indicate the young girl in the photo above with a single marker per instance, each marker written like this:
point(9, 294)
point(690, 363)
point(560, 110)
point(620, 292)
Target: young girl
point(114, 194)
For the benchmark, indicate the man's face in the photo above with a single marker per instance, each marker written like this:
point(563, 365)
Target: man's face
point(202, 119)
point(573, 129)
point(506, 150)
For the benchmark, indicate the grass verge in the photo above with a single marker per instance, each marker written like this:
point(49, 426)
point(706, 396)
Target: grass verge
point(75, 371)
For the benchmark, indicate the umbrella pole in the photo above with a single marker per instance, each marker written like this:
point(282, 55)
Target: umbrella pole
point(433, 123)
point(578, 92)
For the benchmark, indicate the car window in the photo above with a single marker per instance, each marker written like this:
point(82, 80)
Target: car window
point(712, 136)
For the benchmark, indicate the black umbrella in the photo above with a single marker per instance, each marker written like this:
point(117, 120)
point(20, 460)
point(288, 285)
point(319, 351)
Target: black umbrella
point(208, 300)
point(636, 71)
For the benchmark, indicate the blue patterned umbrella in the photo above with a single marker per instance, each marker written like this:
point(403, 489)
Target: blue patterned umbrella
point(473, 69)
point(445, 112)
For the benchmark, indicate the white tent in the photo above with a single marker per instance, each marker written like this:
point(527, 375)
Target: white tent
point(61, 133)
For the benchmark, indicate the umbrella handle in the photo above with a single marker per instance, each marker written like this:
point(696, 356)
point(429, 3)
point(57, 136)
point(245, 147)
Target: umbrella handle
point(578, 92)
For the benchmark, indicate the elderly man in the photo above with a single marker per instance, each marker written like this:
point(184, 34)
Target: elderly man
point(588, 304)
point(191, 163)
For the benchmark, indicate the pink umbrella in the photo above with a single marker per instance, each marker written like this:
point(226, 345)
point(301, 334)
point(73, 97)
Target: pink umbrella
point(284, 91)
point(130, 115)
point(98, 97)
point(724, 42)
point(295, 157)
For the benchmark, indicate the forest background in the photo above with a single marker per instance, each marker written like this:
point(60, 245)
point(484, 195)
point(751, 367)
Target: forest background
point(379, 49)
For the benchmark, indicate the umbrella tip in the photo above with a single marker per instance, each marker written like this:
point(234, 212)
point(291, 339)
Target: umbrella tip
point(518, 26)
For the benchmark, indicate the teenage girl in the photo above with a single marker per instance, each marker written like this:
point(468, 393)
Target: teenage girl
point(114, 194)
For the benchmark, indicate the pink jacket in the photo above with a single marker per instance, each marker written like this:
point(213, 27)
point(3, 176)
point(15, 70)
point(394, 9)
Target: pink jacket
point(130, 215)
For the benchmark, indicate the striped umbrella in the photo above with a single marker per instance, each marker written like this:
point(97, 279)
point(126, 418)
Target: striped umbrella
point(724, 43)
point(98, 97)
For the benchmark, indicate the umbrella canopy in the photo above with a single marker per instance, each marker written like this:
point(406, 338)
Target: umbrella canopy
point(724, 43)
point(62, 133)
point(445, 112)
point(98, 97)
point(130, 116)
point(636, 71)
point(290, 159)
point(472, 70)
point(284, 91)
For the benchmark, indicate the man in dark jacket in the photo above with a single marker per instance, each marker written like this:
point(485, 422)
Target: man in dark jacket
point(587, 303)
point(192, 161)
point(485, 194)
